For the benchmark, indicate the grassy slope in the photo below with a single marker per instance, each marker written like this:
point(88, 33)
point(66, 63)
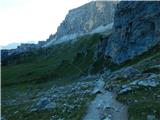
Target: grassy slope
point(62, 64)
point(51, 63)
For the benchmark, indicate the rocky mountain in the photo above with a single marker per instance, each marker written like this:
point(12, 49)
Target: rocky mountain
point(85, 19)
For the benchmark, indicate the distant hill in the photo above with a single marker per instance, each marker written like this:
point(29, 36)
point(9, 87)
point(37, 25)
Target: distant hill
point(13, 45)
point(10, 46)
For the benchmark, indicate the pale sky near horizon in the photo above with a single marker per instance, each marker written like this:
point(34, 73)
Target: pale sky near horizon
point(32, 20)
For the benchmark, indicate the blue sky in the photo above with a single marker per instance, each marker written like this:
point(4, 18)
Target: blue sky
point(32, 20)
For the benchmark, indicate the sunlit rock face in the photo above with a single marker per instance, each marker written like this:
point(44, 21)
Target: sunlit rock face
point(136, 29)
point(85, 19)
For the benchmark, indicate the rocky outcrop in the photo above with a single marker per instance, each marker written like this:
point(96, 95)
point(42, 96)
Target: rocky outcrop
point(151, 81)
point(93, 16)
point(136, 30)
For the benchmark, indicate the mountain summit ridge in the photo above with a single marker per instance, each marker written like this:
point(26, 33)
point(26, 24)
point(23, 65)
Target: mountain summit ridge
point(84, 19)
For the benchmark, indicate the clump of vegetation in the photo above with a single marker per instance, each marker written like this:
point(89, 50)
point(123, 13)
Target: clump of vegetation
point(152, 70)
point(139, 111)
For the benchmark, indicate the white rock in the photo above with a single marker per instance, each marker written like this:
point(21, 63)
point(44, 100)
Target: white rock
point(125, 90)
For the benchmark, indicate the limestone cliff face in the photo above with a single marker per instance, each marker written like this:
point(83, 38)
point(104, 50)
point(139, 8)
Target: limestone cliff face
point(85, 19)
point(136, 29)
